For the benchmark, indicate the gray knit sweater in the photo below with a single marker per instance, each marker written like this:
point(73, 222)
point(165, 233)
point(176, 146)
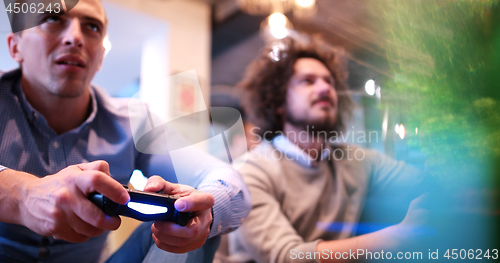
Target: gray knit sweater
point(294, 206)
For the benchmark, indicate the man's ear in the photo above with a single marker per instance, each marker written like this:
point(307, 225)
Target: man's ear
point(13, 40)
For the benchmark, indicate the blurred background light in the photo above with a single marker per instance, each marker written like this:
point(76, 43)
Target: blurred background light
point(401, 131)
point(275, 53)
point(378, 92)
point(263, 7)
point(305, 3)
point(276, 26)
point(370, 87)
point(138, 180)
point(277, 20)
point(107, 44)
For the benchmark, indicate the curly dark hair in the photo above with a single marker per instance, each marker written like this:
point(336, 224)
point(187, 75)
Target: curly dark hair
point(264, 86)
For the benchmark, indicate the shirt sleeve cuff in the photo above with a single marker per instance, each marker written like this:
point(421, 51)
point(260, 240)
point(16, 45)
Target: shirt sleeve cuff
point(229, 209)
point(2, 168)
point(221, 213)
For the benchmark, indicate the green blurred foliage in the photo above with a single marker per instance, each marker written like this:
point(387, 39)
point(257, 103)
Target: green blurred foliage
point(442, 57)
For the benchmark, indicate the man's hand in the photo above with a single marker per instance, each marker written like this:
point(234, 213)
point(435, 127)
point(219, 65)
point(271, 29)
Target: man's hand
point(175, 238)
point(57, 205)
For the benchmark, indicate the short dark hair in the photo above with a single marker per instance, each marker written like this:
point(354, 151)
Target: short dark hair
point(18, 20)
point(264, 86)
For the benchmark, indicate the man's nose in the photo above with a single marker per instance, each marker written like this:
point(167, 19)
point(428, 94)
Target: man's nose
point(73, 35)
point(322, 86)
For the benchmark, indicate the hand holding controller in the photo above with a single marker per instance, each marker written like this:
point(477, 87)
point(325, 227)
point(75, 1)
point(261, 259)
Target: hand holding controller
point(144, 206)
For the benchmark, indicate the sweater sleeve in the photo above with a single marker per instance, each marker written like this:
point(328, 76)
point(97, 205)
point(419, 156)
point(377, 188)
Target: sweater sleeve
point(267, 235)
point(394, 184)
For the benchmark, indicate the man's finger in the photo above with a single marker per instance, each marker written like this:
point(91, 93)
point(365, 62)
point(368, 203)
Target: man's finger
point(71, 235)
point(82, 227)
point(173, 229)
point(95, 217)
point(94, 181)
point(156, 183)
point(196, 201)
point(169, 239)
point(102, 166)
point(172, 249)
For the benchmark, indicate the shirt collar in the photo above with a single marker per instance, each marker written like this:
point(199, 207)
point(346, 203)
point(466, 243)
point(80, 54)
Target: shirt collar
point(30, 112)
point(93, 106)
point(293, 152)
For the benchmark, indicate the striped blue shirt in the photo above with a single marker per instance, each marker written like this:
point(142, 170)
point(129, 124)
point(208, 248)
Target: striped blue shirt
point(28, 144)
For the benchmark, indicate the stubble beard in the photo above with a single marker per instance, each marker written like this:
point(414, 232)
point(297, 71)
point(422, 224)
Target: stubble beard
point(68, 87)
point(321, 126)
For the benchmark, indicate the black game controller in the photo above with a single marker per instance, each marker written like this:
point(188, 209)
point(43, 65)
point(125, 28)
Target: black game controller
point(144, 206)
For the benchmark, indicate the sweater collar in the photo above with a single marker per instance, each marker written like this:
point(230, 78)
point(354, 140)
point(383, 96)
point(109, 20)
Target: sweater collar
point(293, 152)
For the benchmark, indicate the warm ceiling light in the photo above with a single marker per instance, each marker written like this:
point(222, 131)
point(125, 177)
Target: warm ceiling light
point(262, 7)
point(305, 3)
point(276, 26)
point(277, 20)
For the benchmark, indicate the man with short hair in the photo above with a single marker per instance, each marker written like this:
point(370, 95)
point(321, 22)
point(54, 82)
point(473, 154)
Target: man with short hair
point(62, 139)
point(309, 194)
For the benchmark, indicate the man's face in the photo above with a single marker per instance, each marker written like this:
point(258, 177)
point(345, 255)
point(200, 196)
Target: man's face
point(63, 54)
point(311, 96)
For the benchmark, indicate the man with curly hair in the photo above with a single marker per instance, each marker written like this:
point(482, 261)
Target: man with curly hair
point(309, 196)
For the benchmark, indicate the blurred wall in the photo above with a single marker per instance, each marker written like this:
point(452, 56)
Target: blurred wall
point(6, 62)
point(190, 34)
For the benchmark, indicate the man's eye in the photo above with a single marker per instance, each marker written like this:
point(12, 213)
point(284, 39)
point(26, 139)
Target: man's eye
point(94, 27)
point(308, 80)
point(52, 19)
